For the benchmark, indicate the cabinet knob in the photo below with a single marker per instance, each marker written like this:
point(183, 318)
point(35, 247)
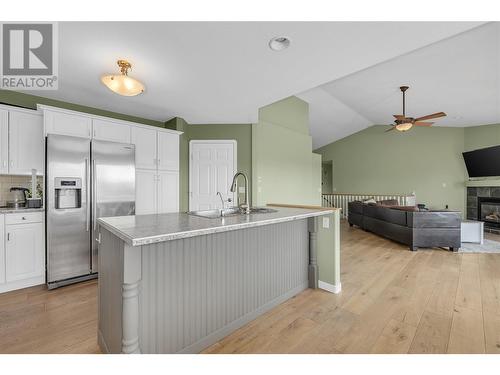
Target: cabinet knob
point(23, 218)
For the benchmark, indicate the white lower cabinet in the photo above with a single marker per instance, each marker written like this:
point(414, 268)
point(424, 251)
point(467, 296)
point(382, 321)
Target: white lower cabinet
point(23, 251)
point(2, 250)
point(156, 191)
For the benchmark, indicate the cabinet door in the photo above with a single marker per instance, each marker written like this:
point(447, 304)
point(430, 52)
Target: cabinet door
point(111, 131)
point(146, 199)
point(168, 192)
point(168, 151)
point(25, 143)
point(24, 251)
point(2, 250)
point(67, 124)
point(4, 141)
point(145, 147)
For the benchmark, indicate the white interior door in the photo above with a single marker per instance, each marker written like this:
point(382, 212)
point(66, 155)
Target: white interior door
point(212, 167)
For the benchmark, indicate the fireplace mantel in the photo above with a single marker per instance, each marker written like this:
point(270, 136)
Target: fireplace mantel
point(480, 183)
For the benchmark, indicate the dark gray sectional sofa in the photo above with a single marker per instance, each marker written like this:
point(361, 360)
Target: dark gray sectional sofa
point(413, 228)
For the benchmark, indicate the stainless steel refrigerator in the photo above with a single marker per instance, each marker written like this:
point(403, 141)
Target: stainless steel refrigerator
point(85, 180)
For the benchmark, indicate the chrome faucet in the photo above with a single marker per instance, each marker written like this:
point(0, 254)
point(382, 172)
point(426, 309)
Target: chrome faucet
point(221, 199)
point(246, 205)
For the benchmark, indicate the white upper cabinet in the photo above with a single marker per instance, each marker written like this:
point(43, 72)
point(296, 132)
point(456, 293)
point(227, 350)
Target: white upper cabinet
point(168, 192)
point(67, 124)
point(111, 131)
point(4, 142)
point(146, 194)
point(144, 140)
point(168, 151)
point(25, 142)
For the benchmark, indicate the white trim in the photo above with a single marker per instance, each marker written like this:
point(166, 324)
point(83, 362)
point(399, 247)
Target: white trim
point(329, 287)
point(20, 284)
point(212, 141)
point(43, 107)
point(30, 111)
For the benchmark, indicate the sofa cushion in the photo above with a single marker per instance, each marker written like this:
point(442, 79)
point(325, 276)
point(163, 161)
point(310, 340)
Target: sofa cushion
point(388, 202)
point(356, 207)
point(385, 214)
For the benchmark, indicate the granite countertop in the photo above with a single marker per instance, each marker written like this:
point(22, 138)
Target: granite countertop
point(10, 210)
point(146, 229)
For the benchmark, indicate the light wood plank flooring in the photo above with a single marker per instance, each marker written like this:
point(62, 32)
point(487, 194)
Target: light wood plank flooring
point(392, 301)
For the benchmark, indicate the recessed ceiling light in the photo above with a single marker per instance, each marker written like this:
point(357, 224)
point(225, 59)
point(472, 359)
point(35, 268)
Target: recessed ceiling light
point(279, 43)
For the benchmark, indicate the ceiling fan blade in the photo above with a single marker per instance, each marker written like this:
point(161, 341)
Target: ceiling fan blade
point(391, 128)
point(428, 117)
point(399, 117)
point(421, 123)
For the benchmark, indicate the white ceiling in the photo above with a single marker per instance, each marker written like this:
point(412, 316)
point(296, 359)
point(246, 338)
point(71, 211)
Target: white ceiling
point(222, 72)
point(459, 75)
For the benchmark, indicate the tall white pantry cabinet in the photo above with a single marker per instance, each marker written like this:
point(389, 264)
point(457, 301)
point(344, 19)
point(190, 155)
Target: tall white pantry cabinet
point(156, 153)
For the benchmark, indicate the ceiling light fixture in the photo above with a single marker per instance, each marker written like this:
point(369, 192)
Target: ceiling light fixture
point(122, 84)
point(279, 43)
point(404, 126)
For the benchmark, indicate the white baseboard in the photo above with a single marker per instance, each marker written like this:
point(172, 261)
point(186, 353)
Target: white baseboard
point(20, 284)
point(329, 287)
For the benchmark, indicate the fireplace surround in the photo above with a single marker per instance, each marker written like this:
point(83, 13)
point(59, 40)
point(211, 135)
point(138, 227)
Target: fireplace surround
point(483, 204)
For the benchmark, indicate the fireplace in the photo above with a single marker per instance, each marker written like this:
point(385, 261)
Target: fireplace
point(483, 204)
point(488, 210)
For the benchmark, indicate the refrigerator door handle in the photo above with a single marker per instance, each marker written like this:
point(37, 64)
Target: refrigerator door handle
point(94, 194)
point(87, 195)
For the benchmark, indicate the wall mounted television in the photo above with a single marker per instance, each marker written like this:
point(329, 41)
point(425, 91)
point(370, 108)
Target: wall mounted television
point(484, 162)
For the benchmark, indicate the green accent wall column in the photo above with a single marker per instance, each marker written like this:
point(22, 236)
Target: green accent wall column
point(285, 170)
point(329, 251)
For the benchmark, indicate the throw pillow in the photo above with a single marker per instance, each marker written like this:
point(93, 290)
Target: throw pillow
point(388, 202)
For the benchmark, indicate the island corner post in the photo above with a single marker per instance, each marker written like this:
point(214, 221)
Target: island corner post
point(181, 296)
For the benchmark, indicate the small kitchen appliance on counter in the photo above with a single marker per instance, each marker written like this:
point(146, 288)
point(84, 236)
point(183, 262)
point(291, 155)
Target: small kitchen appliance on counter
point(19, 197)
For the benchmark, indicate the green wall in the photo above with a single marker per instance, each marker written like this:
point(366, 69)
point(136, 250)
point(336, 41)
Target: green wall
point(427, 161)
point(30, 101)
point(329, 249)
point(327, 177)
point(241, 133)
point(481, 136)
point(285, 170)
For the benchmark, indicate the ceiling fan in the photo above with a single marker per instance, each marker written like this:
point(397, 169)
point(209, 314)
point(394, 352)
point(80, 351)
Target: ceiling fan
point(403, 123)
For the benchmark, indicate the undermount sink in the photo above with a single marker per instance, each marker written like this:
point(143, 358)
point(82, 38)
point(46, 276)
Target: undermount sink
point(231, 211)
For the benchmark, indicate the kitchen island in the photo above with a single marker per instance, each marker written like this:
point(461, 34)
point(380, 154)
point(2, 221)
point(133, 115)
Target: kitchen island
point(177, 283)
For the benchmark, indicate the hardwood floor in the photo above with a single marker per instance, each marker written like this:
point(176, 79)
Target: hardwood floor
point(35, 320)
point(392, 301)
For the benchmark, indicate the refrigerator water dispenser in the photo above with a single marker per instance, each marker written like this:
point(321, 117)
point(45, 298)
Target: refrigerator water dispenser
point(68, 193)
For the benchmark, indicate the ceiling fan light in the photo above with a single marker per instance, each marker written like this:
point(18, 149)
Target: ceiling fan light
point(122, 84)
point(404, 126)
